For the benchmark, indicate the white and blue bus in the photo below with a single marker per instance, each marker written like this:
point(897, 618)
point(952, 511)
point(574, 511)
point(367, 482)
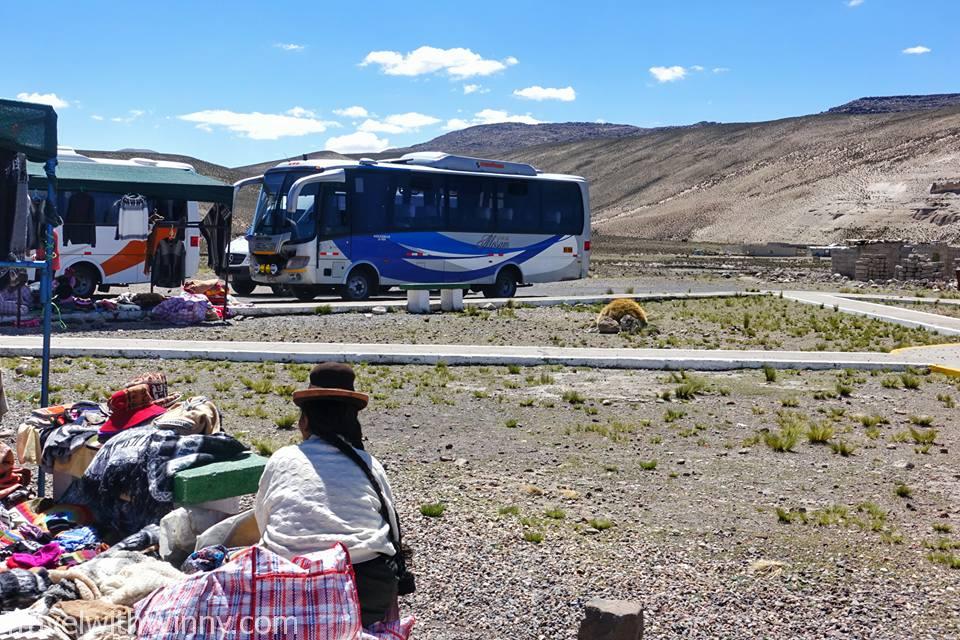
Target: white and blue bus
point(354, 228)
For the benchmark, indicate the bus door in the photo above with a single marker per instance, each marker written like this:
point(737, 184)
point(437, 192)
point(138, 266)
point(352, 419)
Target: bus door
point(334, 243)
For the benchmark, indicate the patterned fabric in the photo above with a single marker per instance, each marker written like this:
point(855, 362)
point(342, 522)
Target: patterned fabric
point(140, 463)
point(185, 309)
point(262, 595)
point(206, 559)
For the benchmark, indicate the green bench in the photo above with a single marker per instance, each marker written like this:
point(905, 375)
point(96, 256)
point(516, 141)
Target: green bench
point(218, 481)
point(418, 296)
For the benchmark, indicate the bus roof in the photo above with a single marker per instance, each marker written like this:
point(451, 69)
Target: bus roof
point(434, 162)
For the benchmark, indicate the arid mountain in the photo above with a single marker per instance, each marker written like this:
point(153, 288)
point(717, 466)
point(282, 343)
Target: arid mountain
point(809, 179)
point(896, 104)
point(497, 139)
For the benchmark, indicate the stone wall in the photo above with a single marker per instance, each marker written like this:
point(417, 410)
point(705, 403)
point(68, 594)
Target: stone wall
point(880, 260)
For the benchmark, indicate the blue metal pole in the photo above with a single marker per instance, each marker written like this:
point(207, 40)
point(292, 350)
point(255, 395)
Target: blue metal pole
point(46, 294)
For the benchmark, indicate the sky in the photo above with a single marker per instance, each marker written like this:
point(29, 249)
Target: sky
point(244, 82)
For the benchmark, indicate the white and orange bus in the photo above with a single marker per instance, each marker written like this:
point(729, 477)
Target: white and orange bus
point(103, 249)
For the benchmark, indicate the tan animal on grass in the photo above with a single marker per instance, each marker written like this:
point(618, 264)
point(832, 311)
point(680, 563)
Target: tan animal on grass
point(621, 307)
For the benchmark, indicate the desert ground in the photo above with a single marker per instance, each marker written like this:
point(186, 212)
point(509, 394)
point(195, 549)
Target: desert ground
point(732, 505)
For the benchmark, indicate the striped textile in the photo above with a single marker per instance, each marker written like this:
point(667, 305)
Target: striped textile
point(261, 595)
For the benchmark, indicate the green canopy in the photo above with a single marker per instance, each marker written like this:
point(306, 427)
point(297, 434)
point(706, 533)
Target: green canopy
point(28, 128)
point(151, 182)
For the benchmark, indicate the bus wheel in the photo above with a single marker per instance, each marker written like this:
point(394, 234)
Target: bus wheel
point(243, 287)
point(86, 278)
point(303, 292)
point(504, 287)
point(360, 285)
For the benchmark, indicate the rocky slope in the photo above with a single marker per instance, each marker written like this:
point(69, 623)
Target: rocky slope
point(896, 104)
point(809, 179)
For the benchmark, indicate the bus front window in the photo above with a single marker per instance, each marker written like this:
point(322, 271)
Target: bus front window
point(271, 217)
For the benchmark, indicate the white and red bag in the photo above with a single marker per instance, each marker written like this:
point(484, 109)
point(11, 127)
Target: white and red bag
point(261, 595)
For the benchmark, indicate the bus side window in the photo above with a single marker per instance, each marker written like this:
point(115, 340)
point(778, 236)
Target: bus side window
point(562, 208)
point(367, 194)
point(518, 207)
point(334, 221)
point(417, 204)
point(470, 204)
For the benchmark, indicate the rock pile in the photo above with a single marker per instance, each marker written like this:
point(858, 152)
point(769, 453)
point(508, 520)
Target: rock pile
point(918, 267)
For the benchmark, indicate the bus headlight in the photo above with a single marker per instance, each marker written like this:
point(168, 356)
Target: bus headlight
point(297, 262)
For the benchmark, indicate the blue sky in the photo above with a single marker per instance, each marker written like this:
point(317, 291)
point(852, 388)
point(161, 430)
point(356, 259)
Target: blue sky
point(244, 82)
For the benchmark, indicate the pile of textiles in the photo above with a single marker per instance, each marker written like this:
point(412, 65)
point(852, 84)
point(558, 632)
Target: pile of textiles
point(93, 566)
point(39, 535)
point(185, 309)
point(129, 483)
point(57, 437)
point(144, 300)
point(214, 290)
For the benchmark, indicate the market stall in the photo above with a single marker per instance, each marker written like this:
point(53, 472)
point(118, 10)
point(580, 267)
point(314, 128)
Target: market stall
point(28, 132)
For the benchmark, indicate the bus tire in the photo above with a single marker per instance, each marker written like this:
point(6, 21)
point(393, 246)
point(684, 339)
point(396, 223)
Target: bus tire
point(505, 285)
point(86, 278)
point(303, 292)
point(360, 285)
point(243, 287)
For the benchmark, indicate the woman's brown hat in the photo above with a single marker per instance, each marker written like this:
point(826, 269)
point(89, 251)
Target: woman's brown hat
point(331, 381)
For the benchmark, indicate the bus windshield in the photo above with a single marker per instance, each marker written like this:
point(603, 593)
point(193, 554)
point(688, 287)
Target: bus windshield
point(271, 217)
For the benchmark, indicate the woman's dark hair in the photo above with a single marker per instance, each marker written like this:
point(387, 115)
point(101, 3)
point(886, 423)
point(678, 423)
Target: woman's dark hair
point(333, 417)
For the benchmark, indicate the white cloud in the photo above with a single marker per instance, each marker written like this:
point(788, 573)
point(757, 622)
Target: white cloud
point(352, 112)
point(289, 46)
point(256, 125)
point(51, 99)
point(493, 116)
point(457, 62)
point(854, 3)
point(132, 115)
point(916, 51)
point(538, 93)
point(399, 123)
point(96, 117)
point(668, 74)
point(489, 116)
point(696, 67)
point(300, 112)
point(721, 69)
point(357, 142)
point(471, 88)
point(457, 123)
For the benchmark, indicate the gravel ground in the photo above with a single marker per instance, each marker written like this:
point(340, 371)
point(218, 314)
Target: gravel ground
point(749, 322)
point(507, 450)
point(950, 310)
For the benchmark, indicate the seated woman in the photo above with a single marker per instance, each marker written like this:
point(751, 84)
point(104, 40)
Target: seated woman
point(328, 489)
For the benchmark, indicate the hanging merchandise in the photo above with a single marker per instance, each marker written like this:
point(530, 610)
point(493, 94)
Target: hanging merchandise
point(80, 224)
point(19, 239)
point(133, 221)
point(216, 231)
point(168, 264)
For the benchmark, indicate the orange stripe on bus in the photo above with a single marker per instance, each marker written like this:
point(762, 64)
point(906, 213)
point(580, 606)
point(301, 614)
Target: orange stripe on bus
point(132, 254)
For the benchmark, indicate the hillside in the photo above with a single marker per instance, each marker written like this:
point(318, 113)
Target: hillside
point(497, 139)
point(809, 179)
point(897, 104)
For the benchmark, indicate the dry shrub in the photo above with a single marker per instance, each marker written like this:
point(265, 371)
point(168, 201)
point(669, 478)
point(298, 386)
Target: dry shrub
point(621, 307)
